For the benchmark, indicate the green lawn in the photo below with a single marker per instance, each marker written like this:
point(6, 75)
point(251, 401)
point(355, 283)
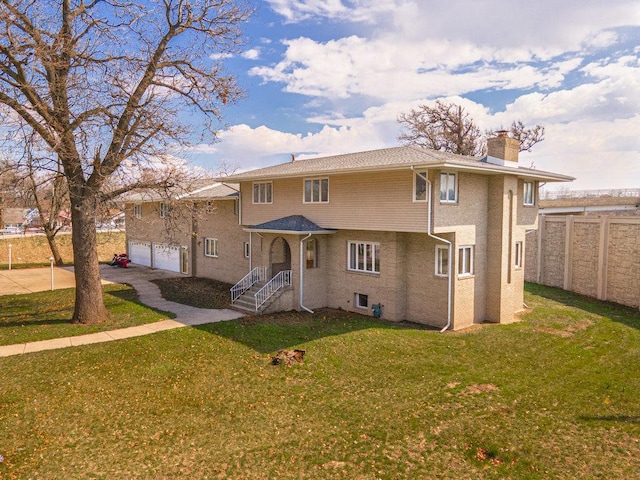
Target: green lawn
point(46, 315)
point(554, 396)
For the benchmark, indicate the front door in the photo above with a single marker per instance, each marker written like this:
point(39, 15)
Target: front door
point(280, 256)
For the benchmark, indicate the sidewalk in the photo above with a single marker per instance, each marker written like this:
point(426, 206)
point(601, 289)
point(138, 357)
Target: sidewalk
point(140, 279)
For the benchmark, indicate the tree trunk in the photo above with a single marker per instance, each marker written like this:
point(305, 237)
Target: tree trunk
point(53, 246)
point(89, 306)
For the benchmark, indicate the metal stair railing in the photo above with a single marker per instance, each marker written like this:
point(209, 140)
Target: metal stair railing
point(258, 274)
point(281, 280)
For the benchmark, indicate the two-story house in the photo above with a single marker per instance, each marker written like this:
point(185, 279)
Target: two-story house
point(407, 233)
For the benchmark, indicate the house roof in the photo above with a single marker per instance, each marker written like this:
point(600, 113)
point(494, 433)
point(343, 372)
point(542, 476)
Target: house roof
point(15, 215)
point(395, 158)
point(296, 224)
point(201, 190)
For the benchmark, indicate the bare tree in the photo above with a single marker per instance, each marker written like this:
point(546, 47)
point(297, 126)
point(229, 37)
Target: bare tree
point(104, 82)
point(449, 128)
point(527, 137)
point(446, 127)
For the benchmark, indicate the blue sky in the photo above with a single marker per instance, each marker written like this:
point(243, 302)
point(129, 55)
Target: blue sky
point(331, 76)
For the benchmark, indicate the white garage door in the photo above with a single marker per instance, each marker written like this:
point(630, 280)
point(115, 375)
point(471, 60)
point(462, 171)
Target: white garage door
point(140, 253)
point(166, 257)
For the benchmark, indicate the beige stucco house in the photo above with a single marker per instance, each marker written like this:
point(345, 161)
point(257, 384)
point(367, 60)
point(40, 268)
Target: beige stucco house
point(405, 233)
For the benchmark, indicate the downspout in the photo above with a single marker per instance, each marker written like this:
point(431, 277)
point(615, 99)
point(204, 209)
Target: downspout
point(444, 240)
point(302, 274)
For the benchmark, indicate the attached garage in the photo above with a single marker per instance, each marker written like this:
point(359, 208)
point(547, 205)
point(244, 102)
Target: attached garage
point(168, 257)
point(140, 253)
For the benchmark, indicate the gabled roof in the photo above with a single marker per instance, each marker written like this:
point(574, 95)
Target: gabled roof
point(296, 224)
point(202, 190)
point(395, 158)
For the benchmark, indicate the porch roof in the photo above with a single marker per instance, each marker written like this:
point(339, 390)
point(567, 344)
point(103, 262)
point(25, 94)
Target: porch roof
point(293, 224)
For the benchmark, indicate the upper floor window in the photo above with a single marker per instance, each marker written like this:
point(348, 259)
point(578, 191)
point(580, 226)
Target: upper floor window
point(263, 192)
point(316, 190)
point(164, 210)
point(420, 186)
point(448, 188)
point(465, 260)
point(529, 193)
point(211, 247)
point(442, 261)
point(247, 249)
point(137, 210)
point(364, 257)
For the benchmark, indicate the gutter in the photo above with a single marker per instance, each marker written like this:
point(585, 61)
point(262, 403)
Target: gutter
point(302, 274)
point(449, 260)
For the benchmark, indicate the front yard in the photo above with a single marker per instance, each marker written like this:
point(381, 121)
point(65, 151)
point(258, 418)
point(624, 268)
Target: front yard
point(554, 396)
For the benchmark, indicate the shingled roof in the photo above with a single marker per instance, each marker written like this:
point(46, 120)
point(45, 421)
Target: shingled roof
point(297, 224)
point(394, 158)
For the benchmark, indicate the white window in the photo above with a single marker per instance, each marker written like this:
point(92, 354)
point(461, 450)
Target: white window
point(518, 255)
point(246, 250)
point(263, 192)
point(211, 247)
point(420, 186)
point(316, 190)
point(364, 257)
point(164, 210)
point(137, 210)
point(209, 207)
point(361, 301)
point(465, 260)
point(311, 253)
point(529, 193)
point(448, 188)
point(442, 261)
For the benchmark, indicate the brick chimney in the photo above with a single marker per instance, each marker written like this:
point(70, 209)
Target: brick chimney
point(503, 150)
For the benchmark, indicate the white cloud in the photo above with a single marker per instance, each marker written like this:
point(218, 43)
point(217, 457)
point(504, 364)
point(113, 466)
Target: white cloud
point(251, 54)
point(400, 70)
point(220, 56)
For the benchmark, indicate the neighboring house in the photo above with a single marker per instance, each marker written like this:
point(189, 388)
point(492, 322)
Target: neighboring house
point(408, 233)
point(613, 202)
point(197, 233)
point(15, 219)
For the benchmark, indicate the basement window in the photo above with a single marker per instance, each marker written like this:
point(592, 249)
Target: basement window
point(362, 301)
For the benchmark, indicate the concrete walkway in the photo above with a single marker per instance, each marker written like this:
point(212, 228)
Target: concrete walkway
point(140, 279)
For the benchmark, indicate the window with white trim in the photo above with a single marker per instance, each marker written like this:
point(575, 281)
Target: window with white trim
point(246, 250)
point(263, 192)
point(316, 190)
point(518, 255)
point(137, 210)
point(361, 301)
point(164, 210)
point(364, 257)
point(448, 188)
point(442, 261)
point(420, 186)
point(210, 247)
point(465, 260)
point(529, 196)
